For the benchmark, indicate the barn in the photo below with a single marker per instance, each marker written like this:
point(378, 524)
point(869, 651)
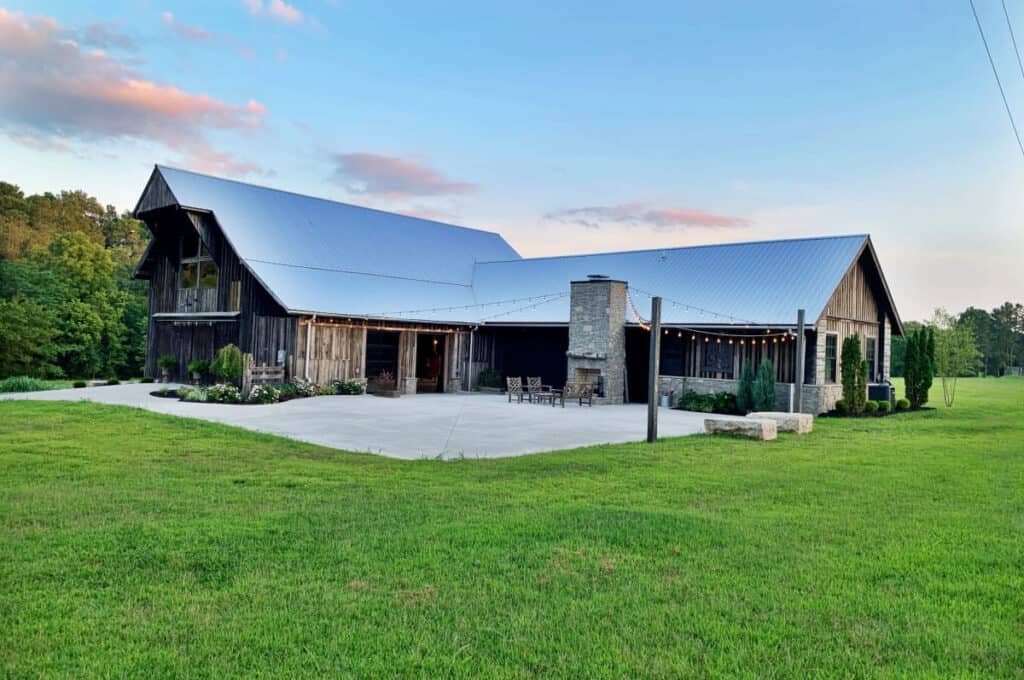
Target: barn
point(328, 290)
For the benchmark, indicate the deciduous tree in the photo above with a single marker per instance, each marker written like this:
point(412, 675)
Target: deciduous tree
point(956, 353)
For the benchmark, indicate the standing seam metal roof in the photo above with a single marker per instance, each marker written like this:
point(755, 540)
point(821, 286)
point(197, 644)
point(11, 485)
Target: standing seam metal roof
point(320, 256)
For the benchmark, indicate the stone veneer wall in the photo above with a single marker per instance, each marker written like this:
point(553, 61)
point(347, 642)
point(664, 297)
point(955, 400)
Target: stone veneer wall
point(817, 398)
point(597, 333)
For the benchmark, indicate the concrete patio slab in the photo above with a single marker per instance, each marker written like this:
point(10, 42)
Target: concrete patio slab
point(422, 426)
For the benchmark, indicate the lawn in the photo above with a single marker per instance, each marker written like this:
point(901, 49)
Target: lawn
point(134, 544)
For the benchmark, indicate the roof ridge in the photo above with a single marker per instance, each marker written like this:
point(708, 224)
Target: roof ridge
point(693, 247)
point(327, 200)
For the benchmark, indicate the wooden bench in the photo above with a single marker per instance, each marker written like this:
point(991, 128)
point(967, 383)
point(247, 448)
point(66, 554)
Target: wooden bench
point(801, 423)
point(762, 430)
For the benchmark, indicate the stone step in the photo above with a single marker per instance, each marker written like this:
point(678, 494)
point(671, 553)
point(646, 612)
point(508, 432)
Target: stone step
point(801, 423)
point(763, 430)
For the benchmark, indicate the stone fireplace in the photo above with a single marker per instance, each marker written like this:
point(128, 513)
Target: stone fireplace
point(597, 335)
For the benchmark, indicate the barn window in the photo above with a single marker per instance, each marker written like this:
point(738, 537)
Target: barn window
point(207, 274)
point(831, 342)
point(198, 270)
point(188, 274)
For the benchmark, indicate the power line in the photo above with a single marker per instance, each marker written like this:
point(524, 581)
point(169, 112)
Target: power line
point(999, 83)
point(1013, 38)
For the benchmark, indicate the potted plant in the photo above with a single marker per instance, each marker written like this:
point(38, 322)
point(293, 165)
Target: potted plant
point(167, 363)
point(198, 368)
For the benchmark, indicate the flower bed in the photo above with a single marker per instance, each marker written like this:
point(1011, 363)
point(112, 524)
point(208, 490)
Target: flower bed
point(224, 393)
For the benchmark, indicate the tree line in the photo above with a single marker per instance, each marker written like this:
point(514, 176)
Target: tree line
point(997, 335)
point(68, 304)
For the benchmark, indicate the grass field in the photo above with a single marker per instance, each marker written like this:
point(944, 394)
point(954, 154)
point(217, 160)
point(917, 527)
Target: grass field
point(140, 545)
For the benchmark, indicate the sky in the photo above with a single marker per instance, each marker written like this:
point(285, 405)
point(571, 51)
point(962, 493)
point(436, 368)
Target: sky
point(567, 127)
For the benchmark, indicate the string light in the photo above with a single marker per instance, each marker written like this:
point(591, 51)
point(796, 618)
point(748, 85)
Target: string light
point(701, 311)
point(495, 303)
point(524, 308)
point(636, 315)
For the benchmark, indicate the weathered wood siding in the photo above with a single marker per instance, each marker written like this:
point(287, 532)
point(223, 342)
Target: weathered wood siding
point(856, 308)
point(261, 328)
point(406, 355)
point(336, 352)
point(156, 195)
point(456, 359)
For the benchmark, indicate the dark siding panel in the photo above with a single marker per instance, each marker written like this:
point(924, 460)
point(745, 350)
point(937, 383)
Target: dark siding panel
point(262, 327)
point(188, 340)
point(156, 195)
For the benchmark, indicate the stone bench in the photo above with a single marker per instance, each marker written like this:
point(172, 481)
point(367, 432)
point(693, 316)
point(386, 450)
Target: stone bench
point(762, 430)
point(801, 423)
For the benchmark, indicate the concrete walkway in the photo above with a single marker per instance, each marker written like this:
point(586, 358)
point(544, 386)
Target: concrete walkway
point(422, 426)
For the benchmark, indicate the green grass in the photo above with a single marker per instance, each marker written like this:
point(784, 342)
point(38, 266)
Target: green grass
point(13, 384)
point(140, 545)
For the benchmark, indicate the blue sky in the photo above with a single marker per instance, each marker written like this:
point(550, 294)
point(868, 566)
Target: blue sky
point(567, 127)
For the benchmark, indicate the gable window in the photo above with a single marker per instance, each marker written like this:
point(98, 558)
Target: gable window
point(871, 356)
point(198, 270)
point(831, 342)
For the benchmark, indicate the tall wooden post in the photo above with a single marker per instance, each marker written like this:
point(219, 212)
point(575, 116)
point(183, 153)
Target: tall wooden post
point(801, 360)
point(652, 372)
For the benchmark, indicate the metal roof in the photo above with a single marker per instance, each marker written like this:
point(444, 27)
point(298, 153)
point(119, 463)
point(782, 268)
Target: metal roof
point(276, 231)
point(324, 257)
point(762, 283)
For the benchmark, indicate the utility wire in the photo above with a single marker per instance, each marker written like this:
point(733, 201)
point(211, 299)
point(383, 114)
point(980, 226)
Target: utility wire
point(992, 63)
point(1013, 38)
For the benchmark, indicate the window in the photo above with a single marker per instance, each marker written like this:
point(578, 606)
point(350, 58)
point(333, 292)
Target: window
point(831, 342)
point(188, 274)
point(207, 274)
point(872, 357)
point(198, 270)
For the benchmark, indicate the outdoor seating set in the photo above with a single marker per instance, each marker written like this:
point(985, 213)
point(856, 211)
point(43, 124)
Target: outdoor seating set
point(536, 392)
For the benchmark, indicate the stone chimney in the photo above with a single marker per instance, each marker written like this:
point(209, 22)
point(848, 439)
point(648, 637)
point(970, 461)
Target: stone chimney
point(597, 335)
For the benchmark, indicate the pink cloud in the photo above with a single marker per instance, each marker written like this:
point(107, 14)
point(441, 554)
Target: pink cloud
point(685, 217)
point(391, 177)
point(285, 12)
point(52, 89)
point(638, 214)
point(185, 31)
point(276, 9)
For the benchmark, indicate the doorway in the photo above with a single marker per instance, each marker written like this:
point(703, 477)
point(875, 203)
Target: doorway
point(429, 363)
point(382, 356)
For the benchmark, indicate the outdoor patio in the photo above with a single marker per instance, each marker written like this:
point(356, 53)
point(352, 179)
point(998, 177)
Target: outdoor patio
point(413, 427)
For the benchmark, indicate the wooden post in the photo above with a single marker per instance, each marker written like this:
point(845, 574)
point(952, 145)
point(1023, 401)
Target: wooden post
point(247, 364)
point(801, 351)
point(652, 374)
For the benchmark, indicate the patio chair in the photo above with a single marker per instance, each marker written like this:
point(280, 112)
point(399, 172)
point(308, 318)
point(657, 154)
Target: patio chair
point(537, 390)
point(581, 392)
point(515, 389)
